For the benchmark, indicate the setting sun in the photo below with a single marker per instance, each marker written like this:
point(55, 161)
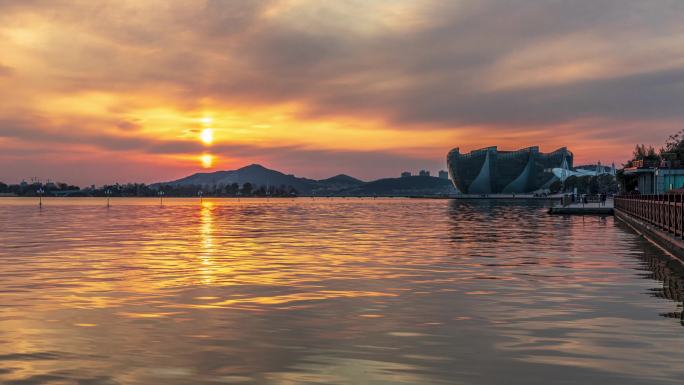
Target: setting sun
point(207, 136)
point(207, 160)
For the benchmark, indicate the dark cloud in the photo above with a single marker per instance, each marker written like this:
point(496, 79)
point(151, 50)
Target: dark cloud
point(439, 71)
point(442, 72)
point(128, 126)
point(641, 96)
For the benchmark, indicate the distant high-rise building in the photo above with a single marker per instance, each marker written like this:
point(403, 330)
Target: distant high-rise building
point(424, 173)
point(443, 174)
point(405, 174)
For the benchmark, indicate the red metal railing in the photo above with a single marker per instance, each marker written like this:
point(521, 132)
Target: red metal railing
point(664, 211)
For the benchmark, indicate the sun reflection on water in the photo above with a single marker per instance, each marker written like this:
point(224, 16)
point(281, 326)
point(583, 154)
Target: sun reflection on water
point(207, 237)
point(384, 291)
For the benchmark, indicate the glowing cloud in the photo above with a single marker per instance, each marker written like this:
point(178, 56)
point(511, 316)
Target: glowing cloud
point(318, 88)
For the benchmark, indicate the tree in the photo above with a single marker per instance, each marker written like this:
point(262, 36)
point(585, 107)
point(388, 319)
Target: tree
point(674, 147)
point(220, 189)
point(233, 189)
point(247, 189)
point(641, 152)
point(607, 184)
point(593, 185)
point(261, 191)
point(571, 183)
point(555, 187)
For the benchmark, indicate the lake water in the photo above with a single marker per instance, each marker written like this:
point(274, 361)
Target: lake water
point(342, 291)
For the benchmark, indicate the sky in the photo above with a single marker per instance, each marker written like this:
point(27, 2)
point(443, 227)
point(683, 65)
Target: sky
point(96, 92)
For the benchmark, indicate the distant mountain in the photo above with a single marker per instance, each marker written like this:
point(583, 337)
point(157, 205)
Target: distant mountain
point(336, 185)
point(342, 179)
point(255, 174)
point(339, 185)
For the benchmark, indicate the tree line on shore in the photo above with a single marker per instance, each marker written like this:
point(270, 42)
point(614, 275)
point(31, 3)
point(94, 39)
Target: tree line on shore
point(671, 155)
point(143, 190)
point(589, 184)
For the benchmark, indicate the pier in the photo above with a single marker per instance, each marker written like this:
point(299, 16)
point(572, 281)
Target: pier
point(584, 209)
point(593, 207)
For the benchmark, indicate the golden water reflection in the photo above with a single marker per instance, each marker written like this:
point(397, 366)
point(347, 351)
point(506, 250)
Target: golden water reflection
point(345, 291)
point(206, 232)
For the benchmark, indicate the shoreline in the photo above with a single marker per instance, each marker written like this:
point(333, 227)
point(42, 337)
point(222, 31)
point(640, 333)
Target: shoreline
point(455, 197)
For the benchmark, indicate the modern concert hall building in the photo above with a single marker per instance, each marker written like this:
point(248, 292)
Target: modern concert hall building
point(489, 171)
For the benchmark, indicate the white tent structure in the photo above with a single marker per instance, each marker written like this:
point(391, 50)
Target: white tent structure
point(564, 172)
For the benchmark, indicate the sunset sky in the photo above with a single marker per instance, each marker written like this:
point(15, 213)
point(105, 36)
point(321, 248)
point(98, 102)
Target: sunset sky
point(147, 90)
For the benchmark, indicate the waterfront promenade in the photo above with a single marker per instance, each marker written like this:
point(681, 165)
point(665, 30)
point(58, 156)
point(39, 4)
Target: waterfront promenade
point(659, 218)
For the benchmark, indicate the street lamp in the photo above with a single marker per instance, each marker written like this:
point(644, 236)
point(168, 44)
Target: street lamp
point(108, 193)
point(161, 198)
point(40, 193)
point(199, 194)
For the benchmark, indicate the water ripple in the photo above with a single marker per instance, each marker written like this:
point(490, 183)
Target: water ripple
point(344, 291)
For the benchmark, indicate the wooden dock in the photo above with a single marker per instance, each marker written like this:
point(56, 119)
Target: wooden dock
point(584, 209)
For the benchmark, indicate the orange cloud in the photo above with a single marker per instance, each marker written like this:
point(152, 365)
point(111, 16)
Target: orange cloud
point(319, 88)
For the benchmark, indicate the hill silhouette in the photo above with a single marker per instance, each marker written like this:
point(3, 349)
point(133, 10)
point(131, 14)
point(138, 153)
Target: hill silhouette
point(339, 185)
